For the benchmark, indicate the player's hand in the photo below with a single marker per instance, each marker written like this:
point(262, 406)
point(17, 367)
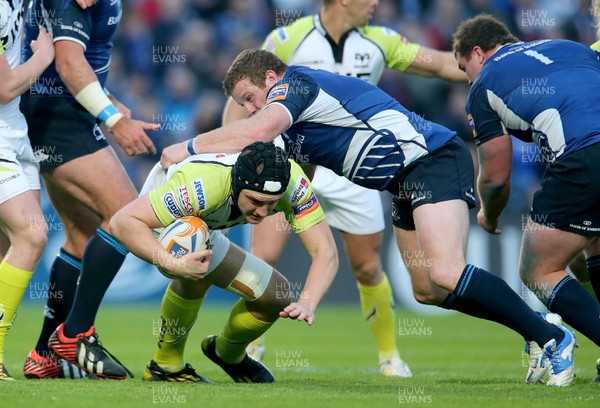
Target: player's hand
point(174, 154)
point(124, 110)
point(43, 45)
point(193, 265)
point(298, 311)
point(131, 136)
point(488, 225)
point(86, 3)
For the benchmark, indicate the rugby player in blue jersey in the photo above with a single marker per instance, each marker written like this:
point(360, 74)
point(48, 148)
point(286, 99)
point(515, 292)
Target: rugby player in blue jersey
point(358, 131)
point(83, 176)
point(546, 92)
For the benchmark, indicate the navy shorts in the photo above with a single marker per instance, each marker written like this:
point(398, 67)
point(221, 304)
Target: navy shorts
point(443, 175)
point(569, 197)
point(60, 129)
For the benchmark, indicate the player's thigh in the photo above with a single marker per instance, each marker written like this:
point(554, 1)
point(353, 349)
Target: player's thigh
point(545, 250)
point(96, 180)
point(269, 238)
point(418, 266)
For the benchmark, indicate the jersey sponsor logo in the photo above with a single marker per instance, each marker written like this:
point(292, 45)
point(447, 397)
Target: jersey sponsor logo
point(282, 33)
point(300, 189)
point(270, 44)
point(307, 207)
point(185, 200)
point(171, 204)
point(114, 20)
point(200, 196)
point(278, 93)
point(472, 124)
point(389, 31)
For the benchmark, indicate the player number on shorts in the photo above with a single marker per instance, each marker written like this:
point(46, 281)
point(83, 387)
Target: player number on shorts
point(540, 57)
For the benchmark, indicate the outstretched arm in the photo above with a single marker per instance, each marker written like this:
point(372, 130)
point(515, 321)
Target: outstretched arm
point(320, 245)
point(434, 63)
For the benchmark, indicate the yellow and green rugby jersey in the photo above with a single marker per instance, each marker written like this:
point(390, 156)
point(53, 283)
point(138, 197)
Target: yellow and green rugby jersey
point(596, 46)
point(202, 187)
point(362, 52)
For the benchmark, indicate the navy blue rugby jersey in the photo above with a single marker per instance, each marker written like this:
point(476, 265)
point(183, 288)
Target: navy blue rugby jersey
point(351, 126)
point(545, 91)
point(93, 28)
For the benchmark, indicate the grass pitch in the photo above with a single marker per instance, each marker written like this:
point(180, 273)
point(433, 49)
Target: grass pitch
point(457, 361)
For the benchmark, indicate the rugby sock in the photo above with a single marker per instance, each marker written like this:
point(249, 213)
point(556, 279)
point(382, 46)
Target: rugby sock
point(13, 283)
point(577, 307)
point(62, 285)
point(471, 308)
point(493, 294)
point(240, 330)
point(177, 317)
point(102, 259)
point(593, 267)
point(377, 306)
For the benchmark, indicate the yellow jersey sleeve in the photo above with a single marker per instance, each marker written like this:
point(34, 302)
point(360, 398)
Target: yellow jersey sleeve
point(1, 49)
point(399, 52)
point(283, 41)
point(299, 203)
point(596, 46)
point(194, 189)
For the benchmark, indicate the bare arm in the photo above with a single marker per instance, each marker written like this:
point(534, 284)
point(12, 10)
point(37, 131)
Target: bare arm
point(263, 126)
point(434, 63)
point(133, 225)
point(493, 181)
point(320, 245)
point(232, 112)
point(16, 81)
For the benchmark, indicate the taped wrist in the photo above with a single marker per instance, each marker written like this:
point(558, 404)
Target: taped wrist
point(93, 99)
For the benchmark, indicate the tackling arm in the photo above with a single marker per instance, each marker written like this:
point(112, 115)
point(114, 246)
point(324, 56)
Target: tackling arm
point(263, 126)
point(493, 181)
point(320, 245)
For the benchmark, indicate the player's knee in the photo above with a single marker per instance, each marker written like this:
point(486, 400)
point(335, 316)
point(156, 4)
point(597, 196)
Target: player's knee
point(447, 276)
point(367, 270)
point(32, 239)
point(427, 296)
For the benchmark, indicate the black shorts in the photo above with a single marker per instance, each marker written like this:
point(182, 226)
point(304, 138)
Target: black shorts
point(60, 129)
point(446, 174)
point(569, 198)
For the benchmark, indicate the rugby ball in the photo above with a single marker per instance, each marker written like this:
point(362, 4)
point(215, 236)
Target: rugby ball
point(186, 234)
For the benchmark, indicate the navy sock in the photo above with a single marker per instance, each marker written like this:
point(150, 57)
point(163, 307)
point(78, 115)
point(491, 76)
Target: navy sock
point(577, 307)
point(102, 259)
point(62, 285)
point(492, 293)
point(593, 267)
point(471, 308)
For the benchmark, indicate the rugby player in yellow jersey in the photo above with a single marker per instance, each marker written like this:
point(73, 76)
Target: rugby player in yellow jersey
point(226, 190)
point(340, 40)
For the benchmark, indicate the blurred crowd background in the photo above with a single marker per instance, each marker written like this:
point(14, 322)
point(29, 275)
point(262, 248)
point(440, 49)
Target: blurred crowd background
point(170, 57)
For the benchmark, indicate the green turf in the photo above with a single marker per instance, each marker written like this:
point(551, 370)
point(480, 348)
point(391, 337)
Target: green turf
point(456, 361)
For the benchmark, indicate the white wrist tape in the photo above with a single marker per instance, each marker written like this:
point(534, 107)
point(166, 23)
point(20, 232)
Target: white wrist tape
point(92, 98)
